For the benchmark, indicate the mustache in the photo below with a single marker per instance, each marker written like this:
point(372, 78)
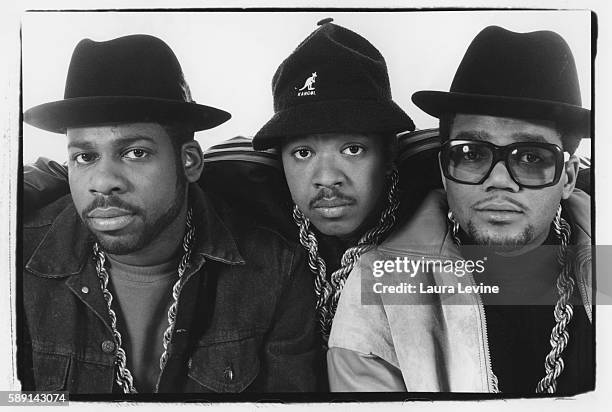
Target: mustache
point(104, 202)
point(327, 193)
point(500, 198)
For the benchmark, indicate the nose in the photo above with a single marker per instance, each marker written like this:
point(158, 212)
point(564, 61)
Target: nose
point(106, 178)
point(500, 179)
point(327, 172)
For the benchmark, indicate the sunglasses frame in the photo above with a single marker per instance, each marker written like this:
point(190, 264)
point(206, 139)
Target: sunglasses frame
point(502, 153)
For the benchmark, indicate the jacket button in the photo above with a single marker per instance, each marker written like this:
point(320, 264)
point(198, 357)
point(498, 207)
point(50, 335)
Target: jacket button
point(228, 374)
point(85, 289)
point(108, 346)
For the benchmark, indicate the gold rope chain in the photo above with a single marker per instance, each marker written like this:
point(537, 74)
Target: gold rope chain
point(123, 376)
point(563, 311)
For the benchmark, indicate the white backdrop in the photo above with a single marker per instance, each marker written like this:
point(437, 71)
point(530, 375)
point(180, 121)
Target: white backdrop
point(229, 57)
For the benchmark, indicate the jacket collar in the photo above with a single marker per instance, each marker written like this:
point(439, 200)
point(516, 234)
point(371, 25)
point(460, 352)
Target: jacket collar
point(68, 244)
point(214, 239)
point(578, 209)
point(64, 249)
point(425, 234)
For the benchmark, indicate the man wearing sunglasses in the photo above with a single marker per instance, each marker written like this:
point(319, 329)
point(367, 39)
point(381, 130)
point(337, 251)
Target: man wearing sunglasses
point(499, 299)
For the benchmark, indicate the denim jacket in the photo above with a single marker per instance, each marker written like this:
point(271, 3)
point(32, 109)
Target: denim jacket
point(245, 319)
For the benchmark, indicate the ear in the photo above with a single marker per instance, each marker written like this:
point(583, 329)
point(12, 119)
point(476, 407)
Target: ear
point(441, 171)
point(192, 160)
point(570, 174)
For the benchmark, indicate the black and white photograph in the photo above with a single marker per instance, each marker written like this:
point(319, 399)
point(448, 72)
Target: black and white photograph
point(304, 206)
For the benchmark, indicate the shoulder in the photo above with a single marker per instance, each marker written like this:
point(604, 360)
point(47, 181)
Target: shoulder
point(425, 233)
point(269, 255)
point(246, 226)
point(578, 210)
point(37, 224)
point(46, 215)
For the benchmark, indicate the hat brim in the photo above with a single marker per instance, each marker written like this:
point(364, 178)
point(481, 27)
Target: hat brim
point(58, 116)
point(437, 104)
point(333, 116)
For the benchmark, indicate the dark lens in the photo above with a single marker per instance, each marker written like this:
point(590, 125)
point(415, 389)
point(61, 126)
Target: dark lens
point(533, 165)
point(469, 162)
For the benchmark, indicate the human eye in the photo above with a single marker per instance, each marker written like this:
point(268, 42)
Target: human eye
point(353, 150)
point(135, 154)
point(471, 153)
point(83, 159)
point(530, 157)
point(302, 153)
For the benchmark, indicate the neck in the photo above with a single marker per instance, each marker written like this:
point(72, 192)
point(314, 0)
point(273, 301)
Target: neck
point(162, 249)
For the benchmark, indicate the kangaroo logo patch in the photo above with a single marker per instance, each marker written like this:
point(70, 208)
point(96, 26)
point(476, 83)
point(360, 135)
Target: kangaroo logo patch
point(308, 89)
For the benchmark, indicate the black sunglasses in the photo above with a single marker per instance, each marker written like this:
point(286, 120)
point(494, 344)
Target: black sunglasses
point(531, 165)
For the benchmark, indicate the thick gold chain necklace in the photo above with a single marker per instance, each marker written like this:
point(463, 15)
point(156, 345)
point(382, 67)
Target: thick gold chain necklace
point(123, 376)
point(563, 311)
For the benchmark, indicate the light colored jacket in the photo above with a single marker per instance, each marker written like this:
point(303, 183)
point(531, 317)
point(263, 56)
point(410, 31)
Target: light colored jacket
point(381, 342)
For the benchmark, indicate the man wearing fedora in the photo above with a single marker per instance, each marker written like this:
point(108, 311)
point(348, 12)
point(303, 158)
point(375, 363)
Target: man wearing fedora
point(138, 281)
point(510, 125)
point(335, 127)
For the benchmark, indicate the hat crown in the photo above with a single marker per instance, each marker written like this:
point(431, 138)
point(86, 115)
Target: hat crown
point(335, 81)
point(537, 65)
point(344, 65)
point(134, 78)
point(135, 65)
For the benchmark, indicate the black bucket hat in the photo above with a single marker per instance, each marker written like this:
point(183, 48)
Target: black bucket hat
point(334, 81)
point(523, 75)
point(131, 78)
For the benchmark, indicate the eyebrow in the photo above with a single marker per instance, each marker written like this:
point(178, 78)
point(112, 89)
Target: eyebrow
point(529, 137)
point(473, 135)
point(484, 136)
point(312, 140)
point(122, 141)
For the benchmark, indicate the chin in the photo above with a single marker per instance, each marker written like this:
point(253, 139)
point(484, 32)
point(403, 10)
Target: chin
point(339, 229)
point(499, 238)
point(119, 245)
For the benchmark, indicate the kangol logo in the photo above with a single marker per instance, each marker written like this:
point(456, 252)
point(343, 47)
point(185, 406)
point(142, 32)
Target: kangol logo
point(308, 89)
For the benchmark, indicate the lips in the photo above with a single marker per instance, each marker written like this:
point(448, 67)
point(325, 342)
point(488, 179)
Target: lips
point(108, 212)
point(109, 219)
point(332, 208)
point(499, 207)
point(500, 211)
point(327, 203)
point(499, 214)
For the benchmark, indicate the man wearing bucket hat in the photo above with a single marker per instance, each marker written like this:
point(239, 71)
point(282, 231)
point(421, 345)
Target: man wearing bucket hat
point(335, 126)
point(138, 280)
point(510, 125)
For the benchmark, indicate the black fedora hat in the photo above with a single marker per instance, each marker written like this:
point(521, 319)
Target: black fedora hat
point(131, 78)
point(334, 81)
point(523, 75)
